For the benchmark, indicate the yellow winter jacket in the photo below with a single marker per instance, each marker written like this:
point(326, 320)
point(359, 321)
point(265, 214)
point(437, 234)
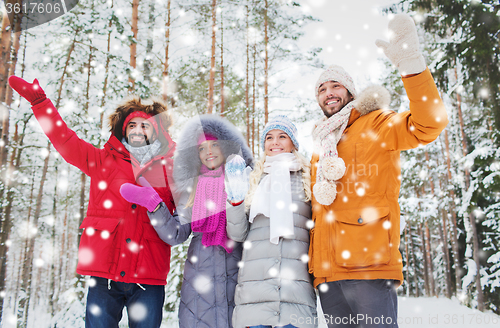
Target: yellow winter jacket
point(357, 236)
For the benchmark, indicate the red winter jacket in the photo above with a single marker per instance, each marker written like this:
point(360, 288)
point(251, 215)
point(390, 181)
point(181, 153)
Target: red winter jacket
point(118, 242)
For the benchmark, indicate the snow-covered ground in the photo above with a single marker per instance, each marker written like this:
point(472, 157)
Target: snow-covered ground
point(425, 312)
point(434, 312)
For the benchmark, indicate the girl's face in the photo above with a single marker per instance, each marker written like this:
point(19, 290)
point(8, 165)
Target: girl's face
point(277, 142)
point(210, 154)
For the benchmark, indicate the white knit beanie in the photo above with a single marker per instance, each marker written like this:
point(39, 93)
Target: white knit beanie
point(338, 74)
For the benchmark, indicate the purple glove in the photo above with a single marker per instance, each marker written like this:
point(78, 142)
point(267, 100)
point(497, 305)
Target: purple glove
point(145, 196)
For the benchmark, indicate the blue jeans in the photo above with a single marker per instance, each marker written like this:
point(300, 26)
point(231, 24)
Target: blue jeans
point(262, 326)
point(359, 303)
point(105, 306)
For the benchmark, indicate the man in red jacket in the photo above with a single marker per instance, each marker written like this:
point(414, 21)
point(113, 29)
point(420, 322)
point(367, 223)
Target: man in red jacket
point(119, 248)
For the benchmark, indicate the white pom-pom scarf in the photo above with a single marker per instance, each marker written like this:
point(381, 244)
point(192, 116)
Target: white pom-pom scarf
point(273, 197)
point(326, 135)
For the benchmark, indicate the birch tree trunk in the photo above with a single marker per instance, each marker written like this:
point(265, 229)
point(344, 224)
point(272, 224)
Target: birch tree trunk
point(24, 304)
point(165, 79)
point(247, 82)
point(133, 44)
point(266, 65)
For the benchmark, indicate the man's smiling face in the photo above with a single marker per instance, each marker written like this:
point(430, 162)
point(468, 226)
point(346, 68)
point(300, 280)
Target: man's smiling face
point(140, 132)
point(332, 97)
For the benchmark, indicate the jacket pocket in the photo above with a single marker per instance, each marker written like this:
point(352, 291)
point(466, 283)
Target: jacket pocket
point(362, 238)
point(154, 261)
point(98, 244)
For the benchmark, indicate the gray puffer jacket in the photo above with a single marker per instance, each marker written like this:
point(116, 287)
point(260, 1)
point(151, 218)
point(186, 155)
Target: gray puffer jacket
point(274, 286)
point(210, 273)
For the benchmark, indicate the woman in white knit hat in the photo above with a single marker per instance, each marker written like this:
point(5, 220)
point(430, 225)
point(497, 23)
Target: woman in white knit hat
point(274, 287)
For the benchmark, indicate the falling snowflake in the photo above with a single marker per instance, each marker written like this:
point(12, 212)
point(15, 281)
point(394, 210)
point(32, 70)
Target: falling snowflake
point(346, 254)
point(202, 284)
point(323, 288)
point(133, 247)
point(85, 256)
point(95, 310)
point(247, 244)
point(108, 204)
point(138, 312)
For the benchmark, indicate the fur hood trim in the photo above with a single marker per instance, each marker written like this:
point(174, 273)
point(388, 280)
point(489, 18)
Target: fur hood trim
point(372, 98)
point(153, 106)
point(186, 159)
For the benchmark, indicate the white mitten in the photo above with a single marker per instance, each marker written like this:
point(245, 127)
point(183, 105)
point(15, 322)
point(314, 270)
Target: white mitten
point(403, 46)
point(236, 179)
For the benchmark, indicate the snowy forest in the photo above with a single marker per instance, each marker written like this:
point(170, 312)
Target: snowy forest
point(230, 57)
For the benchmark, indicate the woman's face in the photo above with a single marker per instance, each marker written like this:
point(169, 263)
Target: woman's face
point(210, 154)
point(277, 142)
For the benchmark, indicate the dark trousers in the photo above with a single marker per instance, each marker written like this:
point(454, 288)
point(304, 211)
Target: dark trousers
point(359, 303)
point(105, 304)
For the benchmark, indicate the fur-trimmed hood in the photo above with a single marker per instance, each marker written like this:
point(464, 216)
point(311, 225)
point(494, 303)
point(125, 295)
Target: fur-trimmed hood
point(154, 107)
point(186, 159)
point(372, 98)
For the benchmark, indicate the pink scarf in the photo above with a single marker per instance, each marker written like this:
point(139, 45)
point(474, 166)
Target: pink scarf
point(209, 208)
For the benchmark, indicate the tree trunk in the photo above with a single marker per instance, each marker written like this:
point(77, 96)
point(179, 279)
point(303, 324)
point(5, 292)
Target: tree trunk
point(247, 83)
point(253, 101)
point(415, 272)
point(211, 82)
point(12, 69)
point(133, 44)
point(149, 45)
point(454, 226)
point(266, 65)
point(15, 163)
point(53, 297)
point(5, 45)
point(164, 93)
point(106, 75)
point(28, 269)
point(426, 266)
point(407, 258)
point(430, 265)
point(470, 217)
point(444, 238)
point(222, 95)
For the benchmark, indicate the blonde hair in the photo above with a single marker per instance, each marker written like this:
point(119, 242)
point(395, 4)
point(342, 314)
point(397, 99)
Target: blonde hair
point(190, 201)
point(259, 169)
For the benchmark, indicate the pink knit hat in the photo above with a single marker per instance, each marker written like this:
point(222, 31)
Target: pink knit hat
point(205, 137)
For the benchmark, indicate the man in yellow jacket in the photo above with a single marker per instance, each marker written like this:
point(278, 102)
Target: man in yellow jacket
point(356, 173)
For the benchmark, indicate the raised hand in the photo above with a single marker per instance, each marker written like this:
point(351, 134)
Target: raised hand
point(32, 92)
point(403, 46)
point(236, 179)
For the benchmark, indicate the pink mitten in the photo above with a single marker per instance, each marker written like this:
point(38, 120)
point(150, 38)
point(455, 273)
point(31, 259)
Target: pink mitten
point(145, 196)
